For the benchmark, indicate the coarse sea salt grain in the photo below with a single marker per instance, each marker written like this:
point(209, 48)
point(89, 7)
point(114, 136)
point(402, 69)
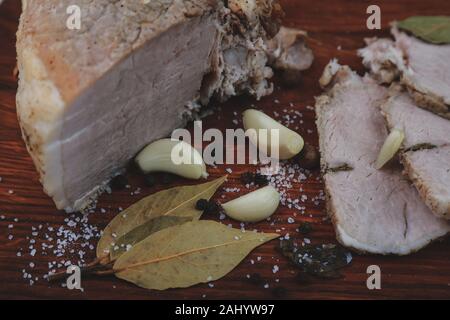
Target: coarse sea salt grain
point(284, 179)
point(68, 244)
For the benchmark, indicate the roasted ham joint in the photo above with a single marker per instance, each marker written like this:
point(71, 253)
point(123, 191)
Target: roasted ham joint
point(90, 99)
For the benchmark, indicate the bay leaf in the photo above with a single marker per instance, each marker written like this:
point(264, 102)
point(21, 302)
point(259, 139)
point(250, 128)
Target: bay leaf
point(178, 201)
point(188, 254)
point(433, 29)
point(321, 260)
point(141, 232)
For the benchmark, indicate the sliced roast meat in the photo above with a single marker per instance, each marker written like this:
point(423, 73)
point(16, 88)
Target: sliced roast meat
point(376, 211)
point(426, 155)
point(423, 68)
point(90, 99)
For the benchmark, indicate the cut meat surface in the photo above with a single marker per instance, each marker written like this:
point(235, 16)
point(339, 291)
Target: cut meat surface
point(423, 68)
point(430, 172)
point(90, 99)
point(375, 211)
point(426, 155)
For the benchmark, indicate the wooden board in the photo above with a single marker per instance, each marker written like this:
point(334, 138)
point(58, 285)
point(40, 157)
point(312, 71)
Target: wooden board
point(330, 23)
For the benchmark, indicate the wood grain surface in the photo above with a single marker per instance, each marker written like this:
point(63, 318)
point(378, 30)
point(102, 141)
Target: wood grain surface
point(331, 24)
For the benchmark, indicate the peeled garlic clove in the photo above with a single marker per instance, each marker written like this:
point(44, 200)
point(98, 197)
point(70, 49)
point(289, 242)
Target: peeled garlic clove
point(255, 206)
point(173, 156)
point(390, 147)
point(290, 142)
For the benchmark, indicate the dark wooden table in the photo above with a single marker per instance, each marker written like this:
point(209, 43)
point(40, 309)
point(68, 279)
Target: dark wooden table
point(331, 24)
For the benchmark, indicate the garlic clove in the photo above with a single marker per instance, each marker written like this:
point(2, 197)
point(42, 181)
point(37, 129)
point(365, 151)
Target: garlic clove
point(173, 156)
point(289, 143)
point(390, 147)
point(255, 206)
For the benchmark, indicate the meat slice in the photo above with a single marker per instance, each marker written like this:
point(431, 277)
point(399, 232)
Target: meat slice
point(90, 99)
point(374, 211)
point(423, 68)
point(426, 155)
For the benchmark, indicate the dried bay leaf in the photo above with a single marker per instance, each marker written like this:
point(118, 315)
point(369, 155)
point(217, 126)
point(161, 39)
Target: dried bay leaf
point(141, 232)
point(433, 29)
point(344, 167)
point(421, 146)
point(178, 201)
point(322, 261)
point(188, 254)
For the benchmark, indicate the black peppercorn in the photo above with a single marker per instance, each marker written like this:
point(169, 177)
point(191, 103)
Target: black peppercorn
point(305, 228)
point(202, 204)
point(247, 177)
point(309, 158)
point(167, 178)
point(256, 178)
point(208, 207)
point(119, 182)
point(150, 180)
point(261, 180)
point(212, 207)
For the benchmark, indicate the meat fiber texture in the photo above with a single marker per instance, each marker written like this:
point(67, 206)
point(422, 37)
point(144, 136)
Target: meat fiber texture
point(423, 68)
point(426, 149)
point(373, 211)
point(90, 99)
